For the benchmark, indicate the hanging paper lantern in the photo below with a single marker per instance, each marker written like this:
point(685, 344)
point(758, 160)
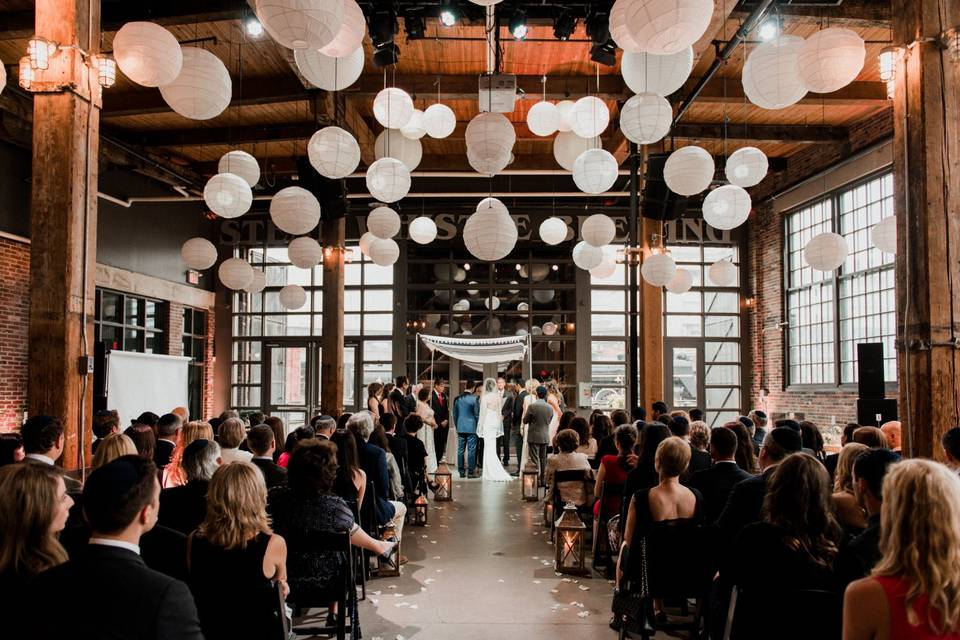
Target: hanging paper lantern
point(305, 252)
point(366, 240)
point(565, 107)
point(352, 29)
point(329, 73)
point(667, 26)
point(492, 303)
point(586, 256)
point(523, 307)
point(461, 305)
point(722, 273)
point(550, 329)
point(554, 345)
point(301, 24)
point(487, 166)
point(568, 146)
point(553, 231)
point(595, 171)
point(746, 167)
point(3, 77)
point(513, 291)
point(439, 120)
point(240, 163)
point(658, 269)
point(333, 152)
point(388, 180)
point(228, 195)
point(490, 138)
point(383, 222)
point(391, 143)
point(688, 170)
point(258, 283)
point(543, 118)
point(384, 252)
point(543, 296)
point(459, 275)
point(486, 3)
point(198, 253)
point(826, 251)
point(618, 27)
point(147, 53)
point(681, 281)
point(203, 88)
point(726, 207)
point(490, 233)
point(646, 118)
point(598, 230)
point(493, 203)
point(422, 230)
point(649, 73)
point(831, 59)
point(393, 107)
point(415, 128)
point(235, 273)
point(884, 235)
point(770, 75)
point(473, 292)
point(608, 265)
point(589, 117)
point(295, 210)
point(292, 297)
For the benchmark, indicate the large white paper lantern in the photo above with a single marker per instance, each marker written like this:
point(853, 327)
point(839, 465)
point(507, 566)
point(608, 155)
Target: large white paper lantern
point(543, 118)
point(681, 281)
point(589, 117)
point(493, 203)
point(658, 269)
point(301, 24)
point(393, 107)
point(422, 230)
point(565, 107)
point(486, 3)
point(884, 235)
point(553, 231)
point(198, 253)
point(826, 251)
point(595, 171)
point(646, 118)
point(235, 273)
point(202, 90)
point(228, 195)
point(333, 152)
point(608, 265)
point(647, 72)
point(295, 210)
point(147, 53)
point(439, 120)
point(488, 166)
point(688, 170)
point(384, 251)
point(543, 296)
point(831, 59)
point(329, 73)
point(667, 26)
point(586, 256)
point(722, 273)
point(240, 163)
point(388, 180)
point(352, 29)
point(726, 207)
point(770, 76)
point(3, 77)
point(305, 252)
point(258, 283)
point(383, 222)
point(598, 230)
point(618, 27)
point(415, 127)
point(365, 242)
point(292, 297)
point(746, 167)
point(490, 137)
point(490, 233)
point(568, 146)
point(391, 143)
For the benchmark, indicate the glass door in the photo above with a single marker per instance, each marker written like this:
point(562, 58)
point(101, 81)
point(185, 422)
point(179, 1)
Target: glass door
point(351, 387)
point(292, 375)
point(684, 374)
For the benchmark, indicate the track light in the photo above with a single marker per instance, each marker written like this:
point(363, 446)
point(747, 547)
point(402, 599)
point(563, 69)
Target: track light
point(383, 27)
point(518, 25)
point(449, 13)
point(253, 27)
point(598, 27)
point(769, 29)
point(386, 55)
point(564, 25)
point(605, 53)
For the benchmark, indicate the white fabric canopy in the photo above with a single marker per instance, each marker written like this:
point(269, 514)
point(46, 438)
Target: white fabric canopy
point(479, 350)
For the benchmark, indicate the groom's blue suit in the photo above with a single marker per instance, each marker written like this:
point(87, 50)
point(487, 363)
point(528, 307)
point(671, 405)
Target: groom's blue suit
point(466, 414)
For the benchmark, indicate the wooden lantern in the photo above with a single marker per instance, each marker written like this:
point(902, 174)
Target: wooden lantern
point(570, 542)
point(420, 511)
point(384, 569)
point(530, 479)
point(444, 482)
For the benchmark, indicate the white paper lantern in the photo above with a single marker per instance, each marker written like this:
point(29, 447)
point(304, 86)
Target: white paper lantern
point(198, 253)
point(486, 3)
point(366, 240)
point(722, 273)
point(147, 53)
point(388, 180)
point(884, 235)
point(459, 275)
point(473, 292)
point(391, 143)
point(726, 207)
point(352, 29)
point(746, 167)
point(292, 297)
point(568, 146)
point(770, 75)
point(522, 332)
point(3, 77)
point(826, 251)
point(295, 210)
point(681, 281)
point(543, 118)
point(439, 120)
point(258, 283)
point(383, 222)
point(649, 73)
point(667, 26)
point(646, 118)
point(240, 163)
point(537, 331)
point(415, 127)
point(618, 27)
point(544, 296)
point(228, 195)
point(586, 256)
point(305, 252)
point(333, 152)
point(589, 117)
point(492, 303)
point(595, 171)
point(831, 59)
point(550, 328)
point(329, 73)
point(493, 203)
point(658, 269)
point(384, 252)
point(565, 107)
point(598, 230)
point(301, 24)
point(688, 170)
point(393, 107)
point(203, 88)
point(553, 231)
point(422, 230)
point(235, 273)
point(490, 136)
point(490, 233)
point(523, 307)
point(488, 166)
point(608, 265)
point(461, 305)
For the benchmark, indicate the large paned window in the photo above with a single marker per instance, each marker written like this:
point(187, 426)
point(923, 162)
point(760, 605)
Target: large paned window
point(368, 325)
point(195, 348)
point(608, 344)
point(129, 323)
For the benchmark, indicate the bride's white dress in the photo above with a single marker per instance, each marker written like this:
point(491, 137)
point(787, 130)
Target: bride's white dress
point(490, 428)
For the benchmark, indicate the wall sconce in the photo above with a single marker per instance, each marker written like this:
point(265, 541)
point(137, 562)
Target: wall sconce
point(39, 50)
point(888, 63)
point(750, 302)
point(26, 73)
point(106, 68)
point(950, 40)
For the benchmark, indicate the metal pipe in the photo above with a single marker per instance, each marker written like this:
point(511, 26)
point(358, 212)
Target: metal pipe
point(474, 174)
point(501, 194)
point(633, 289)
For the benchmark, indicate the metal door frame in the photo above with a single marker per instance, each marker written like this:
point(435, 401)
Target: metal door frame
point(669, 344)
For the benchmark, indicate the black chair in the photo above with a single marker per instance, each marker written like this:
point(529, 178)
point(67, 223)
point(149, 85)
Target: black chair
point(340, 592)
point(368, 521)
point(795, 614)
point(602, 553)
point(585, 511)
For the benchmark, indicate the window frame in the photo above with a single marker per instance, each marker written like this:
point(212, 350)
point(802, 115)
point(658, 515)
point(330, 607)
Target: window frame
point(159, 330)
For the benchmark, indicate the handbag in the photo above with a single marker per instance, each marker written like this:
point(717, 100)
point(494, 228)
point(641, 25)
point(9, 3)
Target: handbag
point(629, 604)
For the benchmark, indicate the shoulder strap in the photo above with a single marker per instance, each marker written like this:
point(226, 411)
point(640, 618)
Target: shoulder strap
point(189, 552)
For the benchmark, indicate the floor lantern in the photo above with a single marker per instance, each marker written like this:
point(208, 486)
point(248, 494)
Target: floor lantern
point(547, 513)
point(530, 479)
point(384, 569)
point(420, 511)
point(444, 481)
point(569, 544)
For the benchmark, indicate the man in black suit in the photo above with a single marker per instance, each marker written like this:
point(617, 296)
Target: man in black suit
point(716, 483)
point(262, 446)
point(105, 422)
point(506, 411)
point(399, 449)
point(121, 501)
point(403, 402)
point(440, 403)
point(43, 443)
point(168, 426)
point(373, 461)
point(183, 508)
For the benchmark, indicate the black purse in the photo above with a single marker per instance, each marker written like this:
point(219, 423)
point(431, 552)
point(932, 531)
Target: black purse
point(629, 603)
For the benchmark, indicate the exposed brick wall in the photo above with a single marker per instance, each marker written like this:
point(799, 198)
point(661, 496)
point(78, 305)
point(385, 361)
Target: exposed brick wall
point(174, 347)
point(14, 331)
point(173, 335)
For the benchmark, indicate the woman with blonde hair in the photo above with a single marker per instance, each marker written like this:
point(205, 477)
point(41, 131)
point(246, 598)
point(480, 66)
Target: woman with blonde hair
point(111, 448)
point(851, 515)
point(229, 436)
point(914, 591)
point(173, 475)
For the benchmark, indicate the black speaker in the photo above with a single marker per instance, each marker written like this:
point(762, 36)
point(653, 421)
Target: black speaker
point(332, 194)
point(869, 408)
point(659, 202)
point(870, 370)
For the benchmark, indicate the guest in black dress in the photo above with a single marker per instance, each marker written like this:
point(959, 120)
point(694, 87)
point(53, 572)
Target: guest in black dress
point(644, 475)
point(351, 482)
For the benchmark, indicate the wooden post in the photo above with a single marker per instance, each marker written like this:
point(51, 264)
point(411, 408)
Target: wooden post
point(63, 221)
point(651, 326)
point(331, 360)
point(927, 202)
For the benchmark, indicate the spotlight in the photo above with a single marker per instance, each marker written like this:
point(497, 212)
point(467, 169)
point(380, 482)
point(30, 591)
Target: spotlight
point(386, 55)
point(449, 13)
point(415, 26)
point(769, 29)
point(564, 25)
point(466, 266)
point(383, 27)
point(253, 27)
point(518, 25)
point(598, 27)
point(605, 53)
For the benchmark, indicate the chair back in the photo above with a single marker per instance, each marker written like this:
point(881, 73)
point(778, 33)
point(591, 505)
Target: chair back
point(582, 476)
point(608, 490)
point(799, 613)
point(368, 509)
point(678, 556)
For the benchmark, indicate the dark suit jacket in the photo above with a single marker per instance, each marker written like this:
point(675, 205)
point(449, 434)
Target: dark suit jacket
point(758, 435)
point(373, 461)
point(830, 462)
point(162, 453)
point(699, 461)
point(144, 604)
point(274, 474)
point(441, 410)
point(860, 555)
point(183, 508)
point(398, 447)
point(715, 485)
point(539, 415)
point(162, 549)
point(507, 408)
point(744, 505)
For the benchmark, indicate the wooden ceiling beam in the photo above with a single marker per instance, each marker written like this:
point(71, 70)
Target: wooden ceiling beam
point(467, 86)
point(771, 133)
point(857, 14)
point(858, 93)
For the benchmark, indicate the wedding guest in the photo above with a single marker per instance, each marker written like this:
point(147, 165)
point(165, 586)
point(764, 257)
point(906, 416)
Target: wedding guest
point(588, 444)
point(846, 437)
point(567, 418)
point(872, 437)
point(569, 459)
point(144, 439)
point(812, 439)
point(538, 418)
point(379, 438)
point(700, 436)
point(230, 436)
point(11, 448)
point(261, 443)
point(111, 448)
point(440, 404)
point(183, 413)
point(716, 483)
point(324, 427)
point(279, 434)
point(104, 423)
point(386, 404)
point(398, 447)
point(699, 459)
point(506, 411)
point(645, 474)
point(145, 419)
point(951, 448)
point(342, 420)
point(374, 389)
point(602, 432)
point(892, 432)
point(184, 507)
point(295, 436)
point(373, 461)
point(168, 428)
point(351, 481)
point(466, 414)
point(43, 443)
point(173, 475)
point(759, 420)
point(614, 469)
point(846, 506)
point(744, 455)
point(416, 454)
point(658, 410)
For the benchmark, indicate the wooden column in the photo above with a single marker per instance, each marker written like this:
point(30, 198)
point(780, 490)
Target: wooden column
point(651, 327)
point(63, 221)
point(927, 203)
point(331, 361)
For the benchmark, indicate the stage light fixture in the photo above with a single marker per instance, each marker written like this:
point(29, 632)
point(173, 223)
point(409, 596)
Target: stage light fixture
point(383, 28)
point(605, 53)
point(449, 13)
point(253, 27)
point(518, 25)
point(769, 29)
point(598, 27)
point(386, 55)
point(564, 25)
point(415, 26)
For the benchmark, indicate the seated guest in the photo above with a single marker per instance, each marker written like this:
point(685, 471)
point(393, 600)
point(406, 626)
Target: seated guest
point(105, 422)
point(759, 431)
point(181, 412)
point(847, 508)
point(659, 410)
point(173, 475)
point(603, 433)
point(744, 454)
point(716, 483)
point(812, 439)
point(11, 447)
point(951, 448)
point(644, 475)
point(144, 439)
point(279, 434)
point(587, 444)
point(343, 420)
point(351, 481)
point(892, 432)
point(295, 436)
point(695, 415)
point(183, 508)
point(230, 436)
point(872, 437)
point(168, 429)
point(568, 459)
point(234, 557)
point(324, 426)
point(913, 590)
point(614, 469)
point(120, 502)
point(145, 419)
point(416, 454)
point(846, 437)
point(111, 448)
point(43, 443)
point(256, 417)
point(399, 449)
point(261, 443)
point(373, 461)
point(699, 436)
point(379, 438)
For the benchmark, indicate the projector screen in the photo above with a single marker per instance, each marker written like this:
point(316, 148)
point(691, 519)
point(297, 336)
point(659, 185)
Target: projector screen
point(138, 382)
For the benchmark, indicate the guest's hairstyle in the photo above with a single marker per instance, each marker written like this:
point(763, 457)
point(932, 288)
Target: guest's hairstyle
point(568, 440)
point(603, 427)
point(348, 456)
point(579, 426)
point(680, 413)
point(200, 460)
point(113, 447)
point(788, 423)
point(231, 433)
point(531, 386)
point(279, 432)
point(811, 437)
point(313, 466)
point(679, 426)
point(920, 539)
point(672, 457)
point(168, 425)
point(659, 407)
point(402, 381)
point(297, 435)
point(748, 423)
point(650, 438)
point(424, 394)
point(144, 439)
point(848, 429)
point(781, 442)
point(344, 419)
point(759, 418)
point(626, 437)
point(148, 418)
point(619, 417)
point(229, 413)
point(798, 501)
point(191, 432)
point(566, 422)
point(256, 417)
point(412, 423)
point(374, 389)
point(951, 443)
point(593, 415)
point(541, 392)
point(183, 412)
point(40, 433)
point(843, 476)
point(10, 442)
point(379, 438)
point(699, 435)
point(117, 492)
point(387, 389)
point(361, 425)
point(29, 495)
point(639, 414)
point(871, 466)
point(724, 441)
point(695, 415)
point(236, 506)
point(323, 423)
point(469, 386)
point(745, 455)
point(104, 422)
point(260, 439)
point(388, 421)
point(872, 437)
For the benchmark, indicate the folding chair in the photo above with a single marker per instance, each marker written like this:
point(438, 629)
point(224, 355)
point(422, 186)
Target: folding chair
point(339, 593)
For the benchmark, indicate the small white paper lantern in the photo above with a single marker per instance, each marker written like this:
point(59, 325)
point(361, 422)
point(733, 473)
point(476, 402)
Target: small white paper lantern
point(384, 252)
point(646, 118)
point(301, 24)
point(459, 275)
point(258, 283)
point(658, 269)
point(439, 120)
point(492, 303)
point(589, 117)
point(366, 240)
point(770, 76)
point(415, 127)
point(543, 296)
point(618, 27)
point(884, 235)
point(826, 251)
point(147, 53)
point(688, 170)
point(393, 107)
point(240, 163)
point(228, 195)
point(649, 73)
point(388, 180)
point(607, 266)
point(722, 273)
point(831, 59)
point(295, 210)
point(352, 29)
point(586, 256)
point(422, 230)
point(383, 222)
point(537, 331)
point(203, 88)
point(726, 207)
point(490, 136)
point(568, 146)
point(235, 273)
point(333, 152)
point(565, 107)
point(327, 72)
point(490, 233)
point(681, 281)
point(198, 253)
point(461, 305)
point(305, 252)
point(391, 143)
point(746, 167)
point(598, 230)
point(292, 297)
point(667, 26)
point(543, 118)
point(553, 231)
point(595, 171)
point(550, 328)
point(523, 307)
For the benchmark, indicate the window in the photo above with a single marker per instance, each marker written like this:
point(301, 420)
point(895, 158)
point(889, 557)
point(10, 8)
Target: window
point(129, 323)
point(608, 346)
point(195, 348)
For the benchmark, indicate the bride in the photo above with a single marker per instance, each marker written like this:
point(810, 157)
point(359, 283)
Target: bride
point(490, 428)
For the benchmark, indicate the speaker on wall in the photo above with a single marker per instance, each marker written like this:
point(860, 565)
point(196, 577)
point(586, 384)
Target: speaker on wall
point(870, 370)
point(873, 412)
point(659, 203)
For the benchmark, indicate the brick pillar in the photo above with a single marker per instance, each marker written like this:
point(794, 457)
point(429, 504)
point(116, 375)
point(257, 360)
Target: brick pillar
point(14, 331)
point(173, 331)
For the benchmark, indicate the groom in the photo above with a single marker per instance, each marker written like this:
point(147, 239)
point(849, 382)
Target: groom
point(538, 418)
point(466, 414)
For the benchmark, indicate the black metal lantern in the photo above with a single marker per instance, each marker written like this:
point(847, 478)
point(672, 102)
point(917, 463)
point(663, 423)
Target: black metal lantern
point(383, 568)
point(569, 542)
point(420, 511)
point(444, 483)
point(530, 480)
